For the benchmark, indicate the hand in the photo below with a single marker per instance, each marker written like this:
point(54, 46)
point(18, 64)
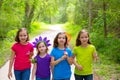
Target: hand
point(52, 78)
point(65, 53)
point(10, 75)
point(79, 67)
point(64, 57)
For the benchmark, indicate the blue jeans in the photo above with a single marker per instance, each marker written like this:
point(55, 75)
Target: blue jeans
point(22, 74)
point(85, 77)
point(63, 79)
point(43, 78)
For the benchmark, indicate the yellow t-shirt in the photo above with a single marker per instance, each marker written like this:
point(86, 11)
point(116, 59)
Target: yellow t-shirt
point(84, 57)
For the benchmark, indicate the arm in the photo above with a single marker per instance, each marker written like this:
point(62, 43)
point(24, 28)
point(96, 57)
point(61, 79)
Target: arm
point(55, 62)
point(10, 64)
point(78, 66)
point(70, 60)
point(31, 54)
point(52, 71)
point(95, 57)
point(33, 71)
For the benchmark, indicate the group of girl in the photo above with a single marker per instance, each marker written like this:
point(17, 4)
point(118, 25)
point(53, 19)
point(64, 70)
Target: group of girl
point(57, 63)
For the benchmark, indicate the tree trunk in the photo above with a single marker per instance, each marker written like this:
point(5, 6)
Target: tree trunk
point(1, 1)
point(104, 19)
point(90, 14)
point(29, 13)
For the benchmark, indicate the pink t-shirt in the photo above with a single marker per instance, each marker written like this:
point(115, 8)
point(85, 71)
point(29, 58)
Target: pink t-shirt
point(22, 56)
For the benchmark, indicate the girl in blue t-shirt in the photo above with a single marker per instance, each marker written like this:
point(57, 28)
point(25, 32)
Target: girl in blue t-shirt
point(41, 67)
point(61, 58)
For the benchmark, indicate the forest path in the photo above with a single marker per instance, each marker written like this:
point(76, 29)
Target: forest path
point(50, 34)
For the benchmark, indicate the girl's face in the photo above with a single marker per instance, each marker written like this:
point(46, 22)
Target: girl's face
point(42, 48)
point(61, 39)
point(84, 38)
point(23, 36)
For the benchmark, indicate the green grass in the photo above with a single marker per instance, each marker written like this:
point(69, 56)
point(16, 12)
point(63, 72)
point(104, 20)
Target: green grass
point(107, 69)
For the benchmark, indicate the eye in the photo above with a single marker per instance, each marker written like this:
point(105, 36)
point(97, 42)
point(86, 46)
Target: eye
point(25, 35)
point(43, 46)
point(63, 37)
point(59, 37)
point(81, 37)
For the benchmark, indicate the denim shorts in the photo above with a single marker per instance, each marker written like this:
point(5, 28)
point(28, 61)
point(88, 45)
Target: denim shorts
point(83, 77)
point(22, 74)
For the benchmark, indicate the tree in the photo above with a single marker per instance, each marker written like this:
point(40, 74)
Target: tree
point(29, 14)
point(90, 14)
point(104, 19)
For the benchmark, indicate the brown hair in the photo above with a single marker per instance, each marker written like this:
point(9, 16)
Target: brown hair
point(78, 42)
point(55, 43)
point(44, 44)
point(17, 35)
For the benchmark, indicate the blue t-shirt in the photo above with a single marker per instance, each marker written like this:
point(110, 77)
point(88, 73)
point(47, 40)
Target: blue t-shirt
point(43, 66)
point(61, 70)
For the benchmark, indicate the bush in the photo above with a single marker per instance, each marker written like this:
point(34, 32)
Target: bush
point(11, 35)
point(35, 26)
point(107, 46)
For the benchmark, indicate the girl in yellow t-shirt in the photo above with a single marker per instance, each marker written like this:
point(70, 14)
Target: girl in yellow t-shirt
point(85, 53)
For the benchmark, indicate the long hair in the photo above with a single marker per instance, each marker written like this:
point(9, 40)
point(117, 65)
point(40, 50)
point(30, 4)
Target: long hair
point(45, 46)
point(17, 35)
point(78, 42)
point(55, 42)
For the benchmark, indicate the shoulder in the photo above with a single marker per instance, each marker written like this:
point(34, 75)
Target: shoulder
point(92, 46)
point(48, 55)
point(15, 44)
point(36, 56)
point(76, 47)
point(54, 49)
point(68, 49)
point(30, 44)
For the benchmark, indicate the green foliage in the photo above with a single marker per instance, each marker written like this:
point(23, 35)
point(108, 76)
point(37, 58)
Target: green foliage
point(4, 51)
point(73, 31)
point(11, 35)
point(107, 46)
point(70, 12)
point(35, 26)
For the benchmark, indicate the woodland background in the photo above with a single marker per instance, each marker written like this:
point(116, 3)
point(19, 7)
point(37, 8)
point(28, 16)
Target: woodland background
point(100, 17)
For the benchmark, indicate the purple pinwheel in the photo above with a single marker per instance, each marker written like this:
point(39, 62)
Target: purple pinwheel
point(39, 39)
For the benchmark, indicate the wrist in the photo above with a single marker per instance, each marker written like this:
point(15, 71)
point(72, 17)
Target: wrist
point(61, 59)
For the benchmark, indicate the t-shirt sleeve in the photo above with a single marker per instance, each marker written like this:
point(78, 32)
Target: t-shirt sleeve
point(74, 50)
point(52, 52)
point(35, 59)
point(13, 47)
point(70, 52)
point(31, 49)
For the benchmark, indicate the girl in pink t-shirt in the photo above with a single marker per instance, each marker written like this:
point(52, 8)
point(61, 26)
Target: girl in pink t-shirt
point(22, 51)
